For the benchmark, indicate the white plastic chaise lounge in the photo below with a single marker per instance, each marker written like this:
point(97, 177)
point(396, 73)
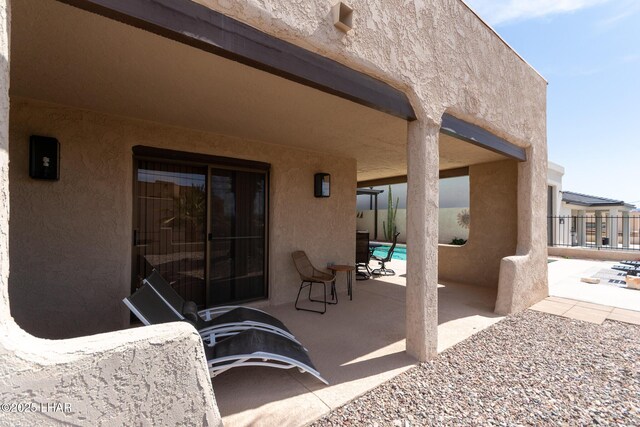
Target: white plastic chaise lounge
point(224, 321)
point(251, 347)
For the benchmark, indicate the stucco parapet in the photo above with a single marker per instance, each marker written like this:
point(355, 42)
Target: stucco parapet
point(32, 349)
point(440, 51)
point(154, 374)
point(521, 284)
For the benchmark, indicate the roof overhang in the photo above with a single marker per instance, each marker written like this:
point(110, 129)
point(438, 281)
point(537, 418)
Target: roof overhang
point(201, 27)
point(579, 200)
point(599, 206)
point(477, 136)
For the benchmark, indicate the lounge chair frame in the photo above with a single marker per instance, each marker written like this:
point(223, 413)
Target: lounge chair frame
point(217, 365)
point(260, 358)
point(213, 333)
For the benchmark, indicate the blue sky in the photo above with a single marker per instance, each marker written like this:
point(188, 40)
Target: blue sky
point(589, 51)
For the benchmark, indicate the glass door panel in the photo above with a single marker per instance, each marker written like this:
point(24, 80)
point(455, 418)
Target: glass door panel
point(237, 236)
point(170, 226)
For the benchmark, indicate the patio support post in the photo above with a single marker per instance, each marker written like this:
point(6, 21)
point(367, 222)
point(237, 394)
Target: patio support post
point(626, 230)
point(613, 227)
point(422, 240)
point(582, 228)
point(598, 229)
point(375, 220)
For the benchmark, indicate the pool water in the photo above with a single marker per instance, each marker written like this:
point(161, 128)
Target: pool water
point(400, 252)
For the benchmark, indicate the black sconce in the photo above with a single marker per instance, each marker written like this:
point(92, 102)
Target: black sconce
point(322, 185)
point(44, 158)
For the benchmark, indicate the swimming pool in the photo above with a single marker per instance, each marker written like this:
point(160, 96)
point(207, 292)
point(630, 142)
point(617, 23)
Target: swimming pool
point(400, 252)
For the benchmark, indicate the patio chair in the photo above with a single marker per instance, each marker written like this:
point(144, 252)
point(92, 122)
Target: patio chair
point(634, 263)
point(310, 275)
point(251, 347)
point(221, 321)
point(383, 270)
point(363, 255)
point(629, 269)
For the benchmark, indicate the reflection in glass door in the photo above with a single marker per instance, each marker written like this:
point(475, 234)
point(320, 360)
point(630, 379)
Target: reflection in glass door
point(237, 236)
point(169, 226)
point(181, 208)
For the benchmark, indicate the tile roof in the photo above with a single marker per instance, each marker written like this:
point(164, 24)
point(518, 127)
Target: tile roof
point(587, 200)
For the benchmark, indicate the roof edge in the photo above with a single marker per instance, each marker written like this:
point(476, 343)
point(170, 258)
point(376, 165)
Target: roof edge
point(503, 40)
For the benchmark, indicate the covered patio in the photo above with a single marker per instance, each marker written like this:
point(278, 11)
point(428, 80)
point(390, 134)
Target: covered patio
point(357, 345)
point(162, 111)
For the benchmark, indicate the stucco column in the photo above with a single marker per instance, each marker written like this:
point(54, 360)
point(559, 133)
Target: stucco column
point(612, 227)
point(107, 379)
point(626, 230)
point(598, 229)
point(581, 227)
point(422, 240)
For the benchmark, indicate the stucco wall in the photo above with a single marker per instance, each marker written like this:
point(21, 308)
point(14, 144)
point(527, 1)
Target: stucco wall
point(155, 375)
point(447, 60)
point(448, 227)
point(493, 228)
point(71, 239)
point(368, 219)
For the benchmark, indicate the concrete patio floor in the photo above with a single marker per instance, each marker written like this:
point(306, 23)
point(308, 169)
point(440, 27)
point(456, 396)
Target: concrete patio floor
point(564, 282)
point(357, 345)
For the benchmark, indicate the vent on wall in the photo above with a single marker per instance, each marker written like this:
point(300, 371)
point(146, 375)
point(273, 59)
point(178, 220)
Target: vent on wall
point(343, 17)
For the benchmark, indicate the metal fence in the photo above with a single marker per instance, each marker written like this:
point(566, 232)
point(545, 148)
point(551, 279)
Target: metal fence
point(590, 231)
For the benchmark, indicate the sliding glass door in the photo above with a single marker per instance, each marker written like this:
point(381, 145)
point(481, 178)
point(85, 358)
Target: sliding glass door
point(170, 225)
point(204, 228)
point(237, 237)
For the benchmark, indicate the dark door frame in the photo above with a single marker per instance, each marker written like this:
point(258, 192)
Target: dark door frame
point(141, 152)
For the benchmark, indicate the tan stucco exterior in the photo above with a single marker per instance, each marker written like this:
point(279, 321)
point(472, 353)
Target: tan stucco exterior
point(438, 52)
point(493, 229)
point(85, 218)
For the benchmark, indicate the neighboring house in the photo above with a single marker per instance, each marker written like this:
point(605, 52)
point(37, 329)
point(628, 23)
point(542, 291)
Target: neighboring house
point(190, 133)
point(576, 219)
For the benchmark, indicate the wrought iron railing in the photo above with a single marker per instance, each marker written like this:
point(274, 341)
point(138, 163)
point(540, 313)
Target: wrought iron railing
point(590, 231)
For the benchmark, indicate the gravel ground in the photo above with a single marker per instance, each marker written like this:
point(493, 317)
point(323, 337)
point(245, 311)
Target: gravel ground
point(529, 369)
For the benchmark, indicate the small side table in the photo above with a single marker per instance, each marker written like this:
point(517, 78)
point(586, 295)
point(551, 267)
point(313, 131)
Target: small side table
point(348, 269)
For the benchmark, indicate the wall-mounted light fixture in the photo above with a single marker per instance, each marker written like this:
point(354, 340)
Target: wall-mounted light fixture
point(44, 158)
point(322, 185)
point(342, 17)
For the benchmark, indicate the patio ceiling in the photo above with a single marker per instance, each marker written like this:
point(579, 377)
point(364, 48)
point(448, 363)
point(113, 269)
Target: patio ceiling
point(456, 153)
point(68, 56)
